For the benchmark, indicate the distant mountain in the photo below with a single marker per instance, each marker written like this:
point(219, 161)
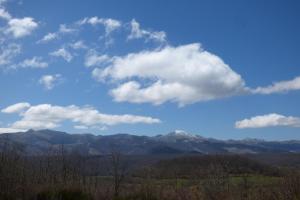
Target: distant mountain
point(179, 135)
point(37, 142)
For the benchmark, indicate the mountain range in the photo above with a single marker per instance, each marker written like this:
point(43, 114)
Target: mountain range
point(39, 142)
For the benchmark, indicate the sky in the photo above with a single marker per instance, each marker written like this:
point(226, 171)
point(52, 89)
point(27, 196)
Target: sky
point(220, 69)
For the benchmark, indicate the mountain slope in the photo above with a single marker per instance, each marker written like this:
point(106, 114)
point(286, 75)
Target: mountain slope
point(50, 142)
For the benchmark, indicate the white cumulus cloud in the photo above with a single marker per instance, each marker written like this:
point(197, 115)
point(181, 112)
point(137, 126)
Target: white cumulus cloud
point(4, 14)
point(16, 27)
point(269, 120)
point(184, 74)
point(51, 116)
point(49, 81)
point(20, 27)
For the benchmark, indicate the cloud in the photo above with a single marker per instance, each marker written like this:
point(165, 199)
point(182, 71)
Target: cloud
point(20, 27)
point(109, 24)
point(63, 29)
point(16, 27)
point(137, 33)
point(50, 116)
point(48, 37)
point(185, 74)
point(35, 62)
point(81, 127)
point(16, 108)
point(279, 87)
point(4, 14)
point(11, 130)
point(269, 120)
point(63, 53)
point(157, 93)
point(78, 45)
point(49, 81)
point(8, 52)
point(93, 58)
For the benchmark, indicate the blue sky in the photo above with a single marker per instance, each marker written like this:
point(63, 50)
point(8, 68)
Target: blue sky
point(215, 68)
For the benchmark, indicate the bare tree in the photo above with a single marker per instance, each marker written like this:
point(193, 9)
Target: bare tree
point(119, 169)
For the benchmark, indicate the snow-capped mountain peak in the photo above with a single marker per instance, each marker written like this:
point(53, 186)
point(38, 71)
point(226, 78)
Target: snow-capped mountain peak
point(180, 135)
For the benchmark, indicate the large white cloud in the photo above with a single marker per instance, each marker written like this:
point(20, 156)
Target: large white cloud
point(51, 116)
point(279, 87)
point(268, 120)
point(20, 27)
point(184, 74)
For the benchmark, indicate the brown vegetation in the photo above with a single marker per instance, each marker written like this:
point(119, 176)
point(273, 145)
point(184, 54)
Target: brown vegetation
point(61, 176)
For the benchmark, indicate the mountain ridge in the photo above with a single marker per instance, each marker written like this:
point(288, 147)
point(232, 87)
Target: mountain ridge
point(36, 142)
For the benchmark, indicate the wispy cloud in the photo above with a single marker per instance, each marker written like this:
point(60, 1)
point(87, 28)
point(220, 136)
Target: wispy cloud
point(8, 52)
point(93, 58)
point(279, 87)
point(48, 37)
point(63, 53)
point(16, 108)
point(35, 62)
point(109, 24)
point(78, 45)
point(137, 33)
point(63, 29)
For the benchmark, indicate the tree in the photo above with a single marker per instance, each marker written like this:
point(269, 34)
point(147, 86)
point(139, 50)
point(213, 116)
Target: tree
point(119, 169)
